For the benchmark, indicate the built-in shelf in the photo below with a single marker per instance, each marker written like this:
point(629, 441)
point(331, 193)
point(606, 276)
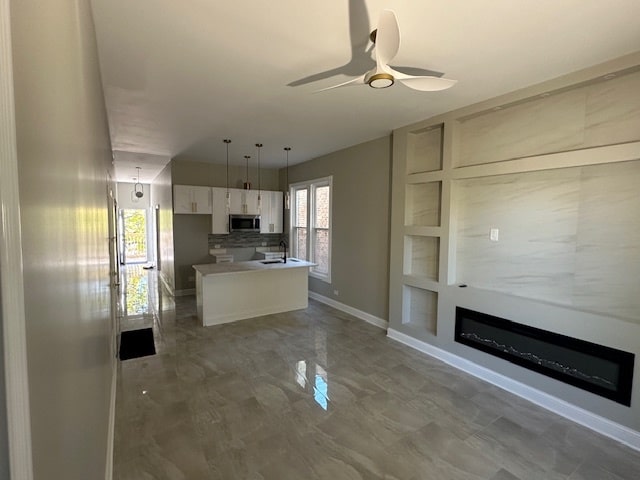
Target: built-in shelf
point(423, 204)
point(423, 282)
point(423, 231)
point(421, 256)
point(425, 177)
point(624, 152)
point(420, 309)
point(424, 150)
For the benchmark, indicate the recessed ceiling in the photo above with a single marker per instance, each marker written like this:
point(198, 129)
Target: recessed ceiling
point(179, 77)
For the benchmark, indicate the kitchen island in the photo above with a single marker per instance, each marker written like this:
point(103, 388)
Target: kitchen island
point(226, 292)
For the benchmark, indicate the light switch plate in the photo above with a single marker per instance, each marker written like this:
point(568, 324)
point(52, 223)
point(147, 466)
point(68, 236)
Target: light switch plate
point(494, 234)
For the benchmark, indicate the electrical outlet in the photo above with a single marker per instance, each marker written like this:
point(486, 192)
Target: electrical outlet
point(494, 234)
point(336, 293)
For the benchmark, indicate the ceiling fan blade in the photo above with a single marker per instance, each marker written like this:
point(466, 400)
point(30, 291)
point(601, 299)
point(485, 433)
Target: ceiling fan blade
point(354, 81)
point(426, 84)
point(387, 37)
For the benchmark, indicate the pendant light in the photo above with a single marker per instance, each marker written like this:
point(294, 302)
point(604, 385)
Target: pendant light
point(258, 147)
point(287, 200)
point(138, 191)
point(227, 142)
point(247, 184)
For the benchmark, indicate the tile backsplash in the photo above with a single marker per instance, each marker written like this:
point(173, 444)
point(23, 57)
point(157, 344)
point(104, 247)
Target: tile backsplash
point(245, 239)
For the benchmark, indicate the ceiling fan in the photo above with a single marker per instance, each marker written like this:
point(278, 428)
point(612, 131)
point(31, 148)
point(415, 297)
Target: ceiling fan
point(386, 39)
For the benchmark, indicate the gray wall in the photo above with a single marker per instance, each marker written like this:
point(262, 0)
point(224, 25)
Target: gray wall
point(190, 232)
point(64, 158)
point(192, 172)
point(162, 195)
point(360, 236)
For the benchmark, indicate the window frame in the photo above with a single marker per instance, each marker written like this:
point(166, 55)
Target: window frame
point(311, 186)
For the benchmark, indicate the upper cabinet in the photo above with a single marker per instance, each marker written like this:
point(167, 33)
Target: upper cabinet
point(220, 220)
point(192, 199)
point(272, 212)
point(243, 201)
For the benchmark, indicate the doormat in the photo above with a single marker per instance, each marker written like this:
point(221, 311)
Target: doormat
point(137, 343)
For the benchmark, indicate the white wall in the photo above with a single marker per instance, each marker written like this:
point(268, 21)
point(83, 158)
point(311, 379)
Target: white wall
point(4, 445)
point(64, 162)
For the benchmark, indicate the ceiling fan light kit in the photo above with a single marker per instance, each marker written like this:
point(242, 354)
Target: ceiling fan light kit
point(381, 80)
point(386, 40)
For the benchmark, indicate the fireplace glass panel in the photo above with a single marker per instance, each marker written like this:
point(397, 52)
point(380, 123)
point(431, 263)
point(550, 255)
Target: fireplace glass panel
point(602, 370)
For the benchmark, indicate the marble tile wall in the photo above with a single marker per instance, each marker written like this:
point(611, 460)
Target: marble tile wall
point(424, 151)
point(608, 242)
point(423, 204)
point(604, 113)
point(613, 111)
point(422, 257)
point(568, 236)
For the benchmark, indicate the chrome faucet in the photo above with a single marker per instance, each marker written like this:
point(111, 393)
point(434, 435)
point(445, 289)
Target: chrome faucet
point(283, 244)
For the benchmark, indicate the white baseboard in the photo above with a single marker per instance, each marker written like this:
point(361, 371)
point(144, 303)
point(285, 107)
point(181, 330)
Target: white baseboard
point(367, 317)
point(108, 475)
point(588, 419)
point(184, 293)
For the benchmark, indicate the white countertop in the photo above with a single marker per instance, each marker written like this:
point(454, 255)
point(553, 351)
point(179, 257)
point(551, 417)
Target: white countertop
point(247, 267)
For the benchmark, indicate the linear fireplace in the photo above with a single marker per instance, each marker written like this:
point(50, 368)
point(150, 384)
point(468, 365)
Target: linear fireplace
point(598, 369)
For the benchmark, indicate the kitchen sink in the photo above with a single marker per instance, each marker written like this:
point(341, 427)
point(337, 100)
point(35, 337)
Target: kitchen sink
point(267, 262)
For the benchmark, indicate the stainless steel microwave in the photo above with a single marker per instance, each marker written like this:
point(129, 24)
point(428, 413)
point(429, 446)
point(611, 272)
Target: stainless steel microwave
point(244, 223)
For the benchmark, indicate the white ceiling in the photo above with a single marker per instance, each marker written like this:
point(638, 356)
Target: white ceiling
point(181, 76)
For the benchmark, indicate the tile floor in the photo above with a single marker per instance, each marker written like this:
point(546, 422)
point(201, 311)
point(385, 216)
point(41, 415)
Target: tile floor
point(318, 394)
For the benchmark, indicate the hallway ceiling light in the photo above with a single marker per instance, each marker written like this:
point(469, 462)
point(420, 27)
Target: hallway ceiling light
point(138, 191)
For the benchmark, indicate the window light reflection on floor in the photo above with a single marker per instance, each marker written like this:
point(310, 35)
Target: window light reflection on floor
point(320, 383)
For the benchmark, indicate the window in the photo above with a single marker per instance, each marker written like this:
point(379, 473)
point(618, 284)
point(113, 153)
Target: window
point(311, 225)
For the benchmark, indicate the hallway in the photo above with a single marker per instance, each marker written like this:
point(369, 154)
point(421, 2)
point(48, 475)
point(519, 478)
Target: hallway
point(318, 394)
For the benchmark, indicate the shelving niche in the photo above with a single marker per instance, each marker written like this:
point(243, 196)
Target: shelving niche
point(422, 213)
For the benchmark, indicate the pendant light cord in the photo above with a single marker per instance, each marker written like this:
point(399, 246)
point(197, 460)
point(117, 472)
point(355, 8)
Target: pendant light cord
point(287, 149)
point(247, 185)
point(227, 142)
point(259, 146)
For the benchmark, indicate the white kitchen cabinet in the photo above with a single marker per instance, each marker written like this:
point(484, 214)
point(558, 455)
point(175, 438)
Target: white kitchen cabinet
point(272, 212)
point(251, 202)
point(236, 204)
point(192, 199)
point(244, 201)
point(220, 216)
